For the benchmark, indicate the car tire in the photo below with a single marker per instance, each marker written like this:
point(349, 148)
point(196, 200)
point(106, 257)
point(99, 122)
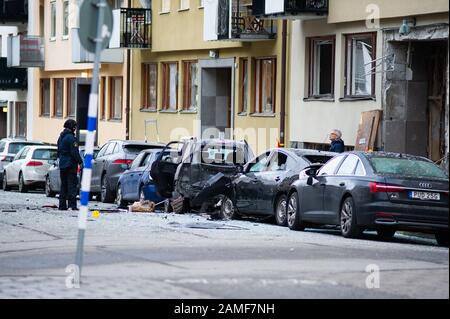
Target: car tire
point(105, 193)
point(227, 209)
point(293, 216)
point(48, 188)
point(119, 199)
point(386, 233)
point(347, 216)
point(280, 210)
point(22, 187)
point(442, 239)
point(6, 187)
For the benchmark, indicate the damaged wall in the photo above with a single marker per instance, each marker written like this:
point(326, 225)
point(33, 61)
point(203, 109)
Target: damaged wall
point(405, 95)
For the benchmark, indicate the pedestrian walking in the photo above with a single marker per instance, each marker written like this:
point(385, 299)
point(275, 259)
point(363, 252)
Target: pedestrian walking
point(69, 159)
point(337, 144)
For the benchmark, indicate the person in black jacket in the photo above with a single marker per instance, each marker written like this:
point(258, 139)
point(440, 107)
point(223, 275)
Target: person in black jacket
point(69, 159)
point(337, 144)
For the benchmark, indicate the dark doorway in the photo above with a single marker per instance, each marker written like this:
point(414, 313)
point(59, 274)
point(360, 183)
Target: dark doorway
point(82, 103)
point(3, 122)
point(216, 101)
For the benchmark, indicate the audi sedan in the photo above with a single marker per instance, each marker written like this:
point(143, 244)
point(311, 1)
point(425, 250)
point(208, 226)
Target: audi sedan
point(386, 192)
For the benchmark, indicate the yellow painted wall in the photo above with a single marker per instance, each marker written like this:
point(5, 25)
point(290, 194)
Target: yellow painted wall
point(188, 123)
point(357, 10)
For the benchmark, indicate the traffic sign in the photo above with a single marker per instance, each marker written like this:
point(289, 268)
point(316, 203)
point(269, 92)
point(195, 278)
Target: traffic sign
point(88, 24)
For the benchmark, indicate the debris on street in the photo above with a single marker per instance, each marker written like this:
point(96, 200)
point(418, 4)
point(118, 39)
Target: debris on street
point(145, 206)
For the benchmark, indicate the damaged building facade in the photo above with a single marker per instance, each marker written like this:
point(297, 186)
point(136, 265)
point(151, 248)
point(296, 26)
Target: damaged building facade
point(384, 56)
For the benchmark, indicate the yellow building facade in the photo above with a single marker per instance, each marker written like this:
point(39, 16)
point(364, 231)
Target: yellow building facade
point(185, 85)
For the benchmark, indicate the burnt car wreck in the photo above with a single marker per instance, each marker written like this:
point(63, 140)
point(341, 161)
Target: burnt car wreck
point(198, 175)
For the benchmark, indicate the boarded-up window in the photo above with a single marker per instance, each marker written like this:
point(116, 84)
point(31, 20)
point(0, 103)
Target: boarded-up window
point(321, 66)
point(21, 119)
point(45, 97)
point(71, 96)
point(170, 86)
point(360, 65)
point(190, 85)
point(149, 85)
point(115, 101)
point(244, 86)
point(265, 79)
point(58, 96)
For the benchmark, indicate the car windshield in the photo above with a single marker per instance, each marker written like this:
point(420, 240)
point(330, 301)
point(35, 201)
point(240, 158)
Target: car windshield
point(45, 154)
point(14, 148)
point(407, 167)
point(222, 154)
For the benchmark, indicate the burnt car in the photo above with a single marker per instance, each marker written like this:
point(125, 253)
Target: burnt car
point(200, 171)
point(385, 192)
point(263, 187)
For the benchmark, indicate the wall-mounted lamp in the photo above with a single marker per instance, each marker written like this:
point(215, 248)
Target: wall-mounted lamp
point(405, 28)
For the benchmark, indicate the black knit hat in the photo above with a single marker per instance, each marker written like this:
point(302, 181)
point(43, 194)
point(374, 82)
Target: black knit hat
point(70, 124)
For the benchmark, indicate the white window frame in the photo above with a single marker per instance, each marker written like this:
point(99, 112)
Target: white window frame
point(53, 21)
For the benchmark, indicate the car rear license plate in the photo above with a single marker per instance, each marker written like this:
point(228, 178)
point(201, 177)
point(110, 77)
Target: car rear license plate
point(424, 195)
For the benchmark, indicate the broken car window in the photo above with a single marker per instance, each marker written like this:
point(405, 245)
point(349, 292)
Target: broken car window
point(415, 168)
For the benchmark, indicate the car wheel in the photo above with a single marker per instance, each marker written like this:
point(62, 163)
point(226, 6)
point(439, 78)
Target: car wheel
point(22, 187)
point(294, 220)
point(280, 211)
point(48, 188)
point(386, 233)
point(442, 239)
point(349, 228)
point(227, 209)
point(105, 194)
point(6, 187)
point(119, 198)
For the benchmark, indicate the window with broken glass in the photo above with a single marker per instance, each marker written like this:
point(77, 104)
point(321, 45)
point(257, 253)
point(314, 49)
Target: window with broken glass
point(321, 67)
point(360, 65)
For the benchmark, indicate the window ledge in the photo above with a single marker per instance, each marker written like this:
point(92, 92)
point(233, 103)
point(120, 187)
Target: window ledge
point(148, 110)
point(183, 10)
point(319, 99)
point(164, 12)
point(201, 8)
point(115, 120)
point(65, 37)
point(45, 115)
point(242, 114)
point(168, 111)
point(52, 39)
point(189, 111)
point(357, 98)
point(262, 114)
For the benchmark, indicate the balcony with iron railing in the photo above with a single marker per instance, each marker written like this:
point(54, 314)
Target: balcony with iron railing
point(12, 78)
point(246, 26)
point(135, 30)
point(296, 9)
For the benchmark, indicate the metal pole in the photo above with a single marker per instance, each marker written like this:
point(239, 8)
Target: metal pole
point(90, 137)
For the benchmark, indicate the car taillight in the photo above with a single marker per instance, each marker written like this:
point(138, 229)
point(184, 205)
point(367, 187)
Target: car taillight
point(34, 163)
point(123, 162)
point(385, 188)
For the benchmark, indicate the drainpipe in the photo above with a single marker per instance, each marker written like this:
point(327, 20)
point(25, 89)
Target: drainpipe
point(283, 85)
point(127, 107)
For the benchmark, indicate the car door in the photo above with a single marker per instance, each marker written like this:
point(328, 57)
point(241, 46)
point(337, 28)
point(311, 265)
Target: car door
point(249, 186)
point(336, 186)
point(17, 166)
point(135, 178)
point(96, 173)
point(313, 196)
point(9, 169)
point(164, 168)
point(100, 164)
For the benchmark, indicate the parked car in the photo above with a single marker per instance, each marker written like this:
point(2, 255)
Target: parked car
point(53, 178)
point(9, 147)
point(200, 171)
point(385, 192)
point(111, 161)
point(29, 168)
point(136, 183)
point(263, 187)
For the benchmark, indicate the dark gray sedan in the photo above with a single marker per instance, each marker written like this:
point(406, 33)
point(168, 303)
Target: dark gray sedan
point(111, 161)
point(385, 192)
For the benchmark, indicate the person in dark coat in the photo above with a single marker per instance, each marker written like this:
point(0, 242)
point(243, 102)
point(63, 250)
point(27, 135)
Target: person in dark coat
point(337, 144)
point(69, 159)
